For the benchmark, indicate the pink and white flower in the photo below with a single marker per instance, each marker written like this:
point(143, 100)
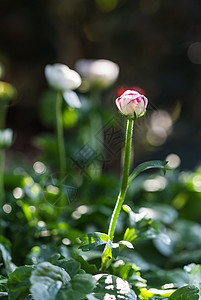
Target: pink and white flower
point(131, 103)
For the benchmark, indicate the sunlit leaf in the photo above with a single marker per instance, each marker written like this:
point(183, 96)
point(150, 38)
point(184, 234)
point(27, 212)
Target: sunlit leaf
point(112, 285)
point(92, 240)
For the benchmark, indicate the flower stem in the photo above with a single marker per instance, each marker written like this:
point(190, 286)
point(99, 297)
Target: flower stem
point(122, 193)
point(124, 184)
point(2, 155)
point(60, 138)
point(3, 109)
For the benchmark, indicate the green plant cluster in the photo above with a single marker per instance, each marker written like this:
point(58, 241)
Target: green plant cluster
point(156, 250)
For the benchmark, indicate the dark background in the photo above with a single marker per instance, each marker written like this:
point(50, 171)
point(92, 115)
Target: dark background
point(156, 43)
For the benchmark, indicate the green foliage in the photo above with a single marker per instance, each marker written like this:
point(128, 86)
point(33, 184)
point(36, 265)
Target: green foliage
point(92, 240)
point(155, 164)
point(19, 283)
point(112, 285)
point(185, 293)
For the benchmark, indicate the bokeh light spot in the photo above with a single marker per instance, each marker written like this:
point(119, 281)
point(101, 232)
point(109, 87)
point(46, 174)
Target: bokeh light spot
point(18, 193)
point(156, 184)
point(39, 167)
point(7, 208)
point(66, 241)
point(174, 161)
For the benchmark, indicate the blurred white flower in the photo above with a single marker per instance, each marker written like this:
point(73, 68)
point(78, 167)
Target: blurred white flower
point(100, 73)
point(62, 78)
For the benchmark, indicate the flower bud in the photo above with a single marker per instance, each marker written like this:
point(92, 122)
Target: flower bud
point(132, 103)
point(62, 78)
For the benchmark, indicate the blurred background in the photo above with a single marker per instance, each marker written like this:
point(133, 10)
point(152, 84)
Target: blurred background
point(156, 43)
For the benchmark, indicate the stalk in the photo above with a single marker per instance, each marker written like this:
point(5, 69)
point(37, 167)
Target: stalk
point(60, 138)
point(122, 193)
point(2, 194)
point(3, 109)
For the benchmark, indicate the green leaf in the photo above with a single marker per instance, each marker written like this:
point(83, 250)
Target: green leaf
point(88, 268)
point(130, 234)
point(9, 266)
point(18, 283)
point(154, 164)
point(188, 292)
point(46, 280)
point(112, 285)
point(71, 266)
point(77, 288)
point(92, 240)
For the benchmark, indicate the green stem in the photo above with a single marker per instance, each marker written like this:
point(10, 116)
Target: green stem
point(3, 109)
point(60, 137)
point(2, 155)
point(124, 184)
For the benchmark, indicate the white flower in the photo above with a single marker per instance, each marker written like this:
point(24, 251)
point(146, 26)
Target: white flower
point(132, 103)
point(62, 78)
point(101, 73)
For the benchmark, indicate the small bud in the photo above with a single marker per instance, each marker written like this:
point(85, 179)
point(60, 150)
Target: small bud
point(62, 78)
point(132, 103)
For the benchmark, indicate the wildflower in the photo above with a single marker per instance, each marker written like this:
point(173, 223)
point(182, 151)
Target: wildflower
point(132, 103)
point(62, 78)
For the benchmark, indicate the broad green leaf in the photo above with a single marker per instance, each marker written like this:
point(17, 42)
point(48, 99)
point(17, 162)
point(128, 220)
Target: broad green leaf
point(18, 283)
point(188, 292)
point(154, 164)
point(112, 285)
point(92, 240)
point(71, 266)
point(88, 268)
point(77, 288)
point(46, 280)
